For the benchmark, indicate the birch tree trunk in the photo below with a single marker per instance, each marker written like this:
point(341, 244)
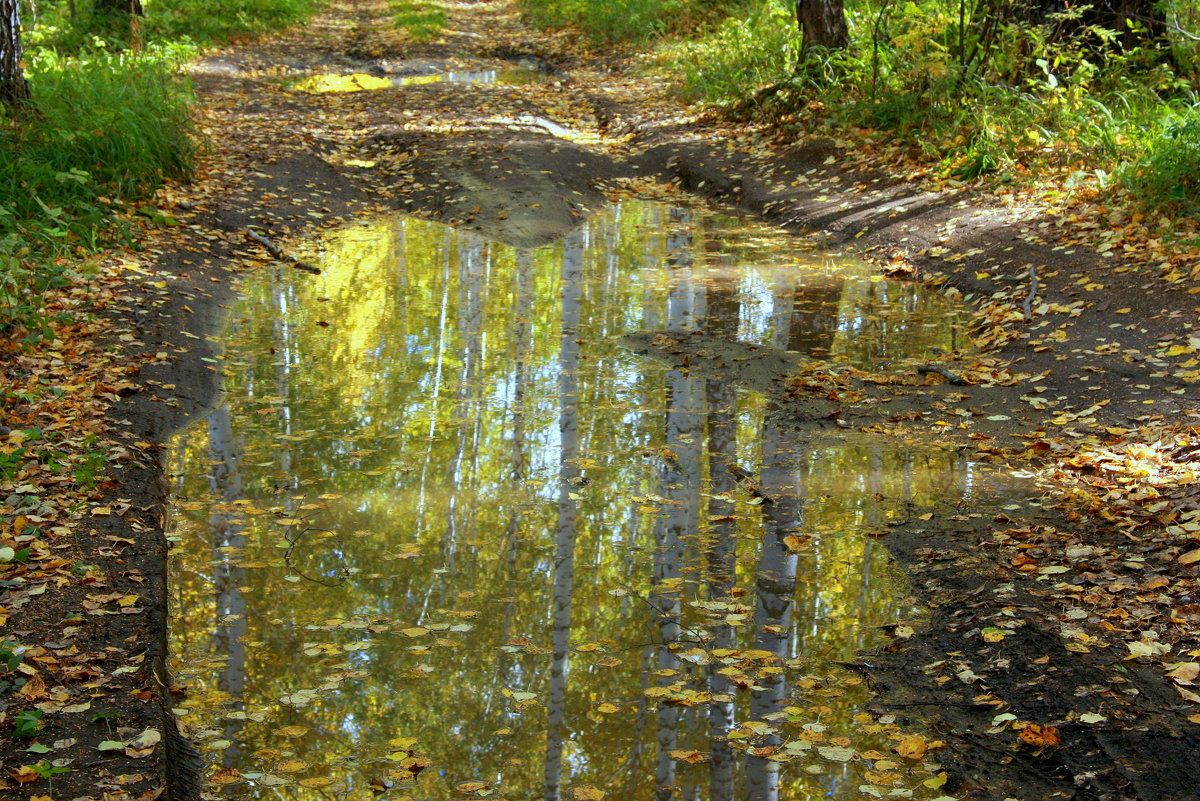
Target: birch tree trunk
point(14, 89)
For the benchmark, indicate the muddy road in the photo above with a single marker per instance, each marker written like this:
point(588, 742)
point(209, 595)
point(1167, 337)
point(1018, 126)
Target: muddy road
point(869, 533)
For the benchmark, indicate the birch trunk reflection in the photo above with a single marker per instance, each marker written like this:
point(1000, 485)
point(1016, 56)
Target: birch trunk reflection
point(724, 312)
point(679, 484)
point(228, 540)
point(782, 483)
point(564, 540)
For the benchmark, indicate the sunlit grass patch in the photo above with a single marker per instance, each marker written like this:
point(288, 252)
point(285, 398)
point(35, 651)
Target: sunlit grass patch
point(214, 21)
point(421, 21)
point(631, 20)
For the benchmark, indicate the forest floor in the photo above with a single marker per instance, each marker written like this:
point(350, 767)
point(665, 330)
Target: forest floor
point(1059, 657)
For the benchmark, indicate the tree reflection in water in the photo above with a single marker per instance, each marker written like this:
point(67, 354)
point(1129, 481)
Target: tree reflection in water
point(476, 489)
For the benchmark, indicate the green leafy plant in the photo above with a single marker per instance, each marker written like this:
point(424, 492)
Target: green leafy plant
point(1167, 173)
point(89, 465)
point(106, 128)
point(27, 724)
point(48, 771)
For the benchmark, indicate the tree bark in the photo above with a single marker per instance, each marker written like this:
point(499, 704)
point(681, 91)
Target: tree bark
point(823, 24)
point(14, 89)
point(131, 7)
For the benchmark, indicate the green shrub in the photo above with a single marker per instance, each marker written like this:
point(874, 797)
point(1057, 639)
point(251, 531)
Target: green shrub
point(1167, 173)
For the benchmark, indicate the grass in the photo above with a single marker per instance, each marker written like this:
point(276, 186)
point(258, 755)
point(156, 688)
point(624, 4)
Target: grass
point(604, 21)
point(1167, 172)
point(107, 127)
point(218, 21)
point(421, 21)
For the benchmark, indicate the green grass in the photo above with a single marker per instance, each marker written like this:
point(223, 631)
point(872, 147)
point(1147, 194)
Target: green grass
point(420, 20)
point(106, 128)
point(217, 21)
point(605, 21)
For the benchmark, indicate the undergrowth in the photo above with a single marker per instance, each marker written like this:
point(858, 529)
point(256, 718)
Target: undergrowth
point(605, 21)
point(106, 128)
point(110, 121)
point(200, 22)
point(972, 97)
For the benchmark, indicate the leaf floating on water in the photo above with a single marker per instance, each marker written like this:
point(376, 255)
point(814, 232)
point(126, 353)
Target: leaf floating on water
point(301, 698)
point(292, 730)
point(225, 776)
point(912, 747)
point(476, 788)
point(797, 543)
point(836, 753)
point(586, 792)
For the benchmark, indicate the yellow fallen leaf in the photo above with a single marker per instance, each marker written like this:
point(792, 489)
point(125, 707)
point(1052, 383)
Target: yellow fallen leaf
point(912, 747)
point(586, 792)
point(1185, 672)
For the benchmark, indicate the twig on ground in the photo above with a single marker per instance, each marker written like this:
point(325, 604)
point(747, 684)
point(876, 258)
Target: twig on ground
point(278, 254)
point(1033, 288)
point(948, 374)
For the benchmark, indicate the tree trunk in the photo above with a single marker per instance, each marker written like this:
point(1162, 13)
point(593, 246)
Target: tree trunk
point(132, 7)
point(14, 89)
point(823, 23)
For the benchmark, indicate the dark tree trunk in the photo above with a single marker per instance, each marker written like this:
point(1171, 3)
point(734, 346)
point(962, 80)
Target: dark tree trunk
point(133, 7)
point(823, 23)
point(14, 89)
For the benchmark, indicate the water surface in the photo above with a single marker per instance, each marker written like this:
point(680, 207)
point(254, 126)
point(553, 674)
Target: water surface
point(443, 535)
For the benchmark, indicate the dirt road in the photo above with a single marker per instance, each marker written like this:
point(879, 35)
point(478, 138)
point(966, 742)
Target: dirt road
point(1062, 612)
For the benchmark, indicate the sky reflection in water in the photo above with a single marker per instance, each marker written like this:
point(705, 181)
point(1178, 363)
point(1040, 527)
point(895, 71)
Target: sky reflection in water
point(440, 518)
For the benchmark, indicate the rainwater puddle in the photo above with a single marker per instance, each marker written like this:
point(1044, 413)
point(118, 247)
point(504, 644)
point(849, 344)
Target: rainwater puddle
point(443, 534)
point(512, 76)
point(327, 83)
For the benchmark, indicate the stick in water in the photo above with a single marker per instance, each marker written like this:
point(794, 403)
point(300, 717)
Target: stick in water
point(276, 253)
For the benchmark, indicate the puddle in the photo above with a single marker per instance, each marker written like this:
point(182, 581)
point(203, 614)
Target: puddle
point(513, 76)
point(328, 83)
point(444, 535)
